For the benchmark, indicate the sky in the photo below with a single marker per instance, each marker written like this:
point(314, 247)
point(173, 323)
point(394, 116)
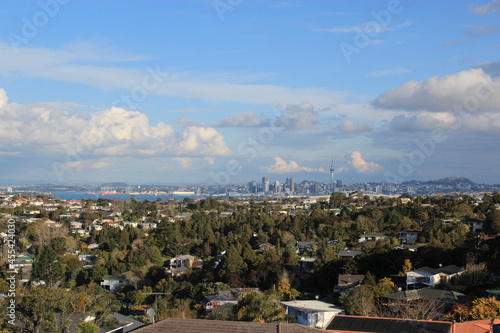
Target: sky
point(228, 91)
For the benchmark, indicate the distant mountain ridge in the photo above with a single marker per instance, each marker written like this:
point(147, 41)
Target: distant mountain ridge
point(446, 181)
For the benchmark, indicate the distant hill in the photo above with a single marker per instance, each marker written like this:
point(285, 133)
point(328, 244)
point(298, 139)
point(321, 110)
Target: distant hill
point(451, 181)
point(115, 184)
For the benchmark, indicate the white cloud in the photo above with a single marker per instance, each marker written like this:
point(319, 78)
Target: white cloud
point(428, 121)
point(3, 97)
point(281, 166)
point(489, 8)
point(472, 89)
point(360, 165)
point(66, 65)
point(244, 119)
point(490, 67)
point(109, 132)
point(350, 126)
point(301, 116)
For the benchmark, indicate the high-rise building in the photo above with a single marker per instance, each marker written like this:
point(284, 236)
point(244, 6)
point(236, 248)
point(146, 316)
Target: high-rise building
point(277, 186)
point(252, 187)
point(290, 184)
point(265, 184)
point(332, 170)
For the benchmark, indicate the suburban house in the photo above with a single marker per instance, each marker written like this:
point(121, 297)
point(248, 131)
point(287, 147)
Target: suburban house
point(409, 236)
point(185, 260)
point(148, 225)
point(307, 264)
point(181, 265)
point(349, 253)
point(112, 282)
point(347, 282)
point(372, 237)
point(446, 298)
point(427, 276)
point(312, 313)
point(474, 224)
point(220, 298)
point(302, 247)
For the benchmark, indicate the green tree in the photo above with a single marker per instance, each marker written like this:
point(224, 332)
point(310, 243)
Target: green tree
point(260, 307)
point(232, 267)
point(87, 327)
point(47, 269)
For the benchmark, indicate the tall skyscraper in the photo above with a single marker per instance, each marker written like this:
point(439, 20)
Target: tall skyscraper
point(252, 187)
point(290, 184)
point(265, 184)
point(277, 186)
point(332, 170)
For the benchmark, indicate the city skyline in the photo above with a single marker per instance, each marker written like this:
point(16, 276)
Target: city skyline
point(222, 92)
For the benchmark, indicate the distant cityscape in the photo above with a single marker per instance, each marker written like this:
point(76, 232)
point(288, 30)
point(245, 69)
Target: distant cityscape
point(263, 188)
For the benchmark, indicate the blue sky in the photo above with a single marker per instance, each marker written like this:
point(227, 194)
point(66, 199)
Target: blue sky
point(227, 91)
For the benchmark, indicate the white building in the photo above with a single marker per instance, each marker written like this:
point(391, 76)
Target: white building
point(432, 277)
point(111, 282)
point(312, 313)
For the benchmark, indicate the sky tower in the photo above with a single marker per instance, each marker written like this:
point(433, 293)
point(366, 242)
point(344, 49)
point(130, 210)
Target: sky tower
point(332, 170)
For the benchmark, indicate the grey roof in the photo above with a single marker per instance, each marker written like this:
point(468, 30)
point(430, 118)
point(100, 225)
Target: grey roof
point(178, 325)
point(350, 253)
point(132, 324)
point(387, 325)
point(448, 270)
point(446, 296)
point(348, 279)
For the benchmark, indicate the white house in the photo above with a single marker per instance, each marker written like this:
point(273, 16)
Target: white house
point(312, 313)
point(474, 224)
point(132, 224)
point(409, 236)
point(111, 282)
point(371, 237)
point(432, 277)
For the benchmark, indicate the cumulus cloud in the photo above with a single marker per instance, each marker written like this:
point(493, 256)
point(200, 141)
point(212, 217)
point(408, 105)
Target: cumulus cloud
point(3, 97)
point(301, 116)
point(110, 132)
point(490, 67)
point(281, 166)
point(428, 121)
point(350, 126)
point(472, 89)
point(360, 165)
point(244, 119)
point(489, 8)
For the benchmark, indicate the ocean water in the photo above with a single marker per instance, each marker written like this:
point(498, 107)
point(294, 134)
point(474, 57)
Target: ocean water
point(69, 195)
